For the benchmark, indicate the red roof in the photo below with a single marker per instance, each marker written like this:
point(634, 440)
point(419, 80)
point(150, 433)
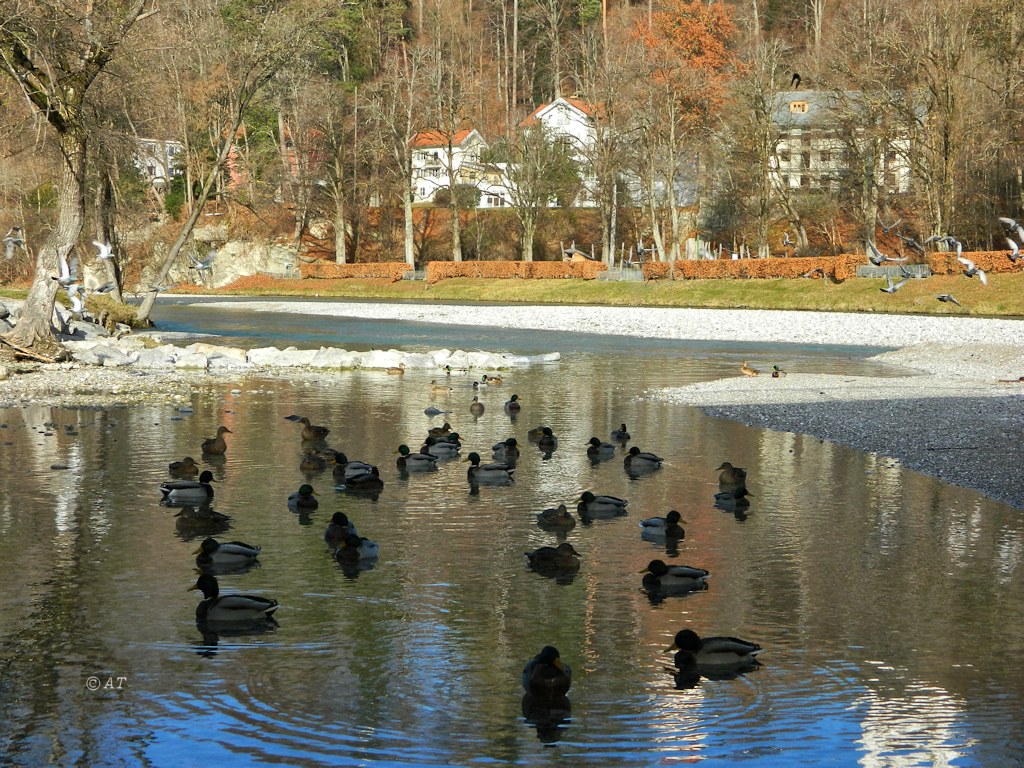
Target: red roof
point(587, 109)
point(439, 139)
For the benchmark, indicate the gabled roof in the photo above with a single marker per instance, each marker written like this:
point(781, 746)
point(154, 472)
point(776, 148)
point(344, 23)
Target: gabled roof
point(432, 139)
point(588, 110)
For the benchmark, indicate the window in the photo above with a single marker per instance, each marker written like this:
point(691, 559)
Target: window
point(805, 181)
point(150, 170)
point(798, 107)
point(784, 156)
point(825, 156)
point(785, 181)
point(805, 159)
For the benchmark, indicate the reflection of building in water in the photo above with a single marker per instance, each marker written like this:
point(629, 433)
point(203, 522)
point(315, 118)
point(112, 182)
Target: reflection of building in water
point(919, 725)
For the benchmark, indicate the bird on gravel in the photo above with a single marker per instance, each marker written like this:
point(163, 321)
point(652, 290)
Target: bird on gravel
point(746, 370)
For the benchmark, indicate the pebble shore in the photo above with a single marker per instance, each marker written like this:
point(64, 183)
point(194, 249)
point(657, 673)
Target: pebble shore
point(959, 418)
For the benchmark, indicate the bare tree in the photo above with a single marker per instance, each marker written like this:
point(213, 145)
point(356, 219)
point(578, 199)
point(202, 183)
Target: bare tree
point(55, 55)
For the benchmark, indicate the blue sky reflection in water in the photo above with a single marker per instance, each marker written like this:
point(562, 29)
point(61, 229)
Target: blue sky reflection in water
point(887, 602)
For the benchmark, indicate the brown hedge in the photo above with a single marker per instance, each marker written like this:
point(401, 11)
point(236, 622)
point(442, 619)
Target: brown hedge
point(838, 267)
point(329, 270)
point(445, 270)
point(990, 261)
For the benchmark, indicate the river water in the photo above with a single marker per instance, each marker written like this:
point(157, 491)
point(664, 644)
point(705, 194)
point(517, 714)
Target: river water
point(888, 603)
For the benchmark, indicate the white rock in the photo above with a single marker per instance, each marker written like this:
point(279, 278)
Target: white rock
point(213, 351)
point(191, 360)
point(160, 357)
point(378, 358)
point(330, 357)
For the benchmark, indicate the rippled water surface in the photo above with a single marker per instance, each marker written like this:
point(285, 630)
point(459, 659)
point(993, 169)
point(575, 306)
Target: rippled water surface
point(889, 604)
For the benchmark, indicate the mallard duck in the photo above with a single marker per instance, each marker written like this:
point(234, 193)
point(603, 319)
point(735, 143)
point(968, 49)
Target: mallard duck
point(313, 432)
point(216, 446)
point(492, 379)
point(734, 499)
point(730, 475)
point(589, 503)
point(187, 467)
point(201, 518)
point(312, 462)
point(229, 553)
point(487, 473)
point(398, 370)
point(415, 462)
point(476, 408)
point(441, 449)
point(304, 498)
point(777, 372)
point(535, 434)
point(339, 527)
point(746, 370)
point(598, 450)
point(663, 527)
point(562, 558)
point(557, 518)
point(621, 434)
point(506, 451)
point(723, 653)
point(443, 431)
point(439, 389)
point(513, 405)
point(189, 491)
point(355, 548)
point(345, 469)
point(218, 607)
point(637, 460)
point(365, 481)
point(546, 675)
point(547, 442)
point(660, 576)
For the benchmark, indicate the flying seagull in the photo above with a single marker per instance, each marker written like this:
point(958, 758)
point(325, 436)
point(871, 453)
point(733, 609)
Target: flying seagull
point(68, 270)
point(206, 265)
point(972, 270)
point(890, 286)
point(947, 297)
point(104, 249)
point(12, 240)
point(1014, 253)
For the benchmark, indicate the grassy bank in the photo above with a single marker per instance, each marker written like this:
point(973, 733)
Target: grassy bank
point(1003, 296)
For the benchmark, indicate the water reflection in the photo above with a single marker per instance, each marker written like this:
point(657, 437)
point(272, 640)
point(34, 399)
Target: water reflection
point(879, 595)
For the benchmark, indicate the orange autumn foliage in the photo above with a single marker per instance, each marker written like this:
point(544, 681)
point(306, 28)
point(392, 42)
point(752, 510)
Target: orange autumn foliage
point(989, 261)
point(329, 270)
point(445, 270)
point(837, 267)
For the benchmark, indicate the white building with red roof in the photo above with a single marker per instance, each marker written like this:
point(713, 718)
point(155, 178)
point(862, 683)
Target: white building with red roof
point(434, 169)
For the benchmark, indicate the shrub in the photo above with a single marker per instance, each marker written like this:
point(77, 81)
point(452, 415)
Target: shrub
point(990, 261)
point(838, 267)
point(498, 270)
point(327, 270)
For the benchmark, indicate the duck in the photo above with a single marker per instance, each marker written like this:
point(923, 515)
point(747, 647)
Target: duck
point(218, 607)
point(668, 526)
point(345, 469)
point(562, 558)
point(339, 527)
point(507, 451)
point(304, 498)
point(217, 446)
point(313, 432)
point(546, 675)
point(355, 548)
point(189, 491)
point(443, 431)
point(746, 370)
point(777, 372)
point(734, 499)
point(476, 408)
point(547, 442)
point(491, 379)
point(557, 518)
point(660, 576)
point(312, 462)
point(397, 370)
point(621, 434)
point(415, 462)
point(229, 553)
point(441, 449)
point(597, 450)
point(589, 503)
point(487, 473)
point(513, 405)
point(365, 481)
point(721, 653)
point(730, 475)
point(536, 433)
point(637, 460)
point(439, 389)
point(201, 518)
point(187, 467)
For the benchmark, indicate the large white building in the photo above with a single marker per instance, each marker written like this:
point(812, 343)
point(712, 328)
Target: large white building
point(157, 160)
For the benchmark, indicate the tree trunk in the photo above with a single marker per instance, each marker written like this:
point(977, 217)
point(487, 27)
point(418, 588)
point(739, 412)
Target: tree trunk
point(35, 328)
point(529, 230)
point(108, 233)
point(410, 252)
point(456, 233)
point(340, 227)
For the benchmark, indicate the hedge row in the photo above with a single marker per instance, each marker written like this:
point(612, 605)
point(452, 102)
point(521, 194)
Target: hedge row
point(839, 267)
point(328, 270)
point(445, 270)
point(990, 261)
